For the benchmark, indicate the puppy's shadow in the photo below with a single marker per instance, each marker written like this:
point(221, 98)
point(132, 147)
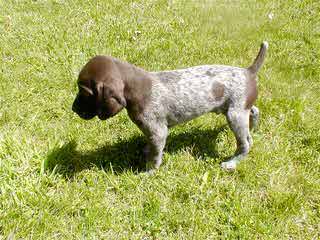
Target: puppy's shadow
point(128, 154)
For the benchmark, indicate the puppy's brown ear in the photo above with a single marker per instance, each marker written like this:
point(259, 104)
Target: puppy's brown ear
point(104, 93)
point(120, 99)
point(110, 102)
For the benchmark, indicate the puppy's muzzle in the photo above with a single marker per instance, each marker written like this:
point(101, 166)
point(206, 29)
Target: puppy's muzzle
point(82, 114)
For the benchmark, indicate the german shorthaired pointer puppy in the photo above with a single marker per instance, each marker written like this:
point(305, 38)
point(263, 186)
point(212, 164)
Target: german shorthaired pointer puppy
point(156, 101)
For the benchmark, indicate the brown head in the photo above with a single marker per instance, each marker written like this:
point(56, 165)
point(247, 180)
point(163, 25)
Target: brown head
point(101, 89)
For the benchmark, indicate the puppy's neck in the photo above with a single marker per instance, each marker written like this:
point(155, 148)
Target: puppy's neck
point(137, 86)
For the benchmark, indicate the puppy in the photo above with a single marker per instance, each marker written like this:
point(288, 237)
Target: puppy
point(156, 101)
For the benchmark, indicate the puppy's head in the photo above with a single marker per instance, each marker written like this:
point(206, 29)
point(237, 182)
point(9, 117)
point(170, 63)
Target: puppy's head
point(101, 90)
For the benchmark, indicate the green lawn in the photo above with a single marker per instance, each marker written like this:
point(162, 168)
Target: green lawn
point(65, 178)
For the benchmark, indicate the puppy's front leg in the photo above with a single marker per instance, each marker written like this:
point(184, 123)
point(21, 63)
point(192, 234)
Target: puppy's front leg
point(156, 141)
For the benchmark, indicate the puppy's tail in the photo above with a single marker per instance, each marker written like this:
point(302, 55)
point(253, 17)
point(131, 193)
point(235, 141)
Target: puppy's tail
point(254, 68)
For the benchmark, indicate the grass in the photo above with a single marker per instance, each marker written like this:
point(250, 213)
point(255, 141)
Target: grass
point(65, 178)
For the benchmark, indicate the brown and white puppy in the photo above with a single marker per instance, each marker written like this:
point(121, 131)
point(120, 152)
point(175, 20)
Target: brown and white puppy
point(156, 101)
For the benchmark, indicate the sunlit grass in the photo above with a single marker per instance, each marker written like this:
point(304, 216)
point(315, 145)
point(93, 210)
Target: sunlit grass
point(63, 177)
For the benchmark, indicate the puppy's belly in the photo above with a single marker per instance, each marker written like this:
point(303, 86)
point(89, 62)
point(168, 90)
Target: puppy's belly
point(179, 114)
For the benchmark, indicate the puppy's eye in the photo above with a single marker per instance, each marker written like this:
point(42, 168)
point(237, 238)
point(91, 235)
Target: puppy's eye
point(85, 91)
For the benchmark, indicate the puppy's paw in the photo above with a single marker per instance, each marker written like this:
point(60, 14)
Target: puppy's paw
point(151, 169)
point(230, 165)
point(151, 172)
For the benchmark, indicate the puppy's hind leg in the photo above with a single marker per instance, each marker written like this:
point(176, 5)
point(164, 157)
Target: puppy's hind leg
point(239, 123)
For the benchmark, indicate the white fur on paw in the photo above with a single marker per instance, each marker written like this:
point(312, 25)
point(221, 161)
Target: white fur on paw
point(151, 172)
point(229, 165)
